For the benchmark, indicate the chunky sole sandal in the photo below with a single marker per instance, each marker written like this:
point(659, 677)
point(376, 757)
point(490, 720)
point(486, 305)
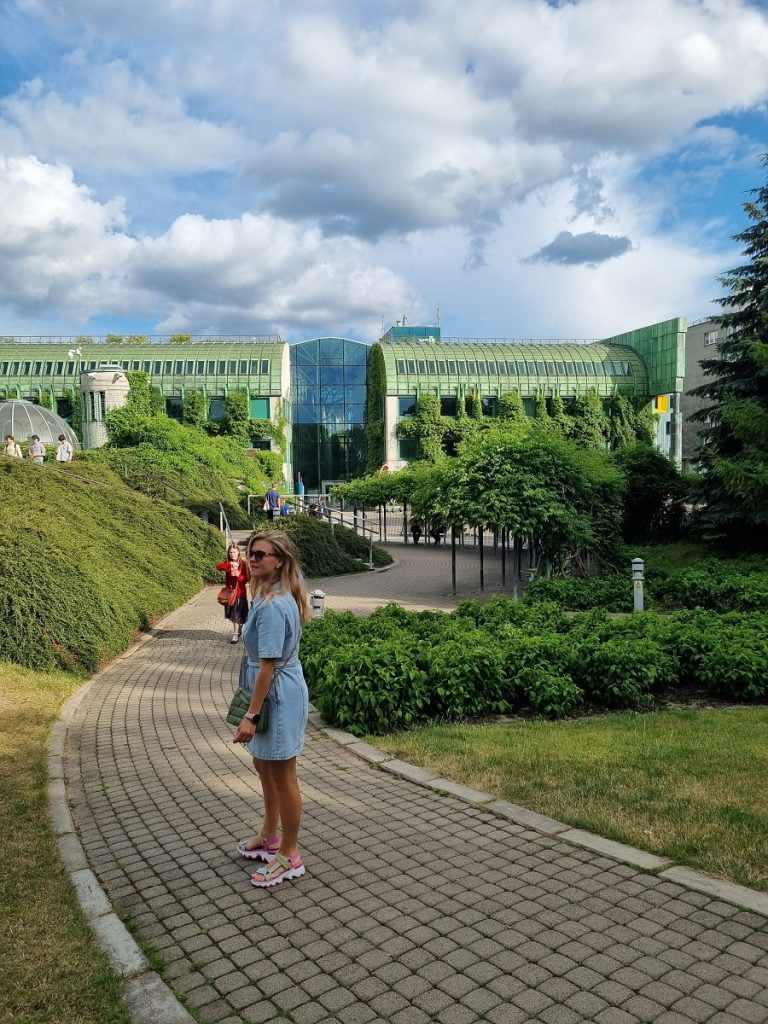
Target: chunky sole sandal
point(266, 849)
point(279, 870)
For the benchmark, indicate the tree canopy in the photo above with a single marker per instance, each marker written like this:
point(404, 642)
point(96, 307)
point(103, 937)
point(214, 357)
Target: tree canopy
point(733, 491)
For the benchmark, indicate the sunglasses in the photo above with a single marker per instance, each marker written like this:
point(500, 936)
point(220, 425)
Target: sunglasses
point(256, 556)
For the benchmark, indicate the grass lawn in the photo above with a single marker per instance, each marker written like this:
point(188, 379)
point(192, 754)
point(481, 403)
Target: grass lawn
point(52, 971)
point(686, 784)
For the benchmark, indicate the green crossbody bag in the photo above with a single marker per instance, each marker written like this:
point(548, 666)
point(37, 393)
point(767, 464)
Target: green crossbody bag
point(241, 700)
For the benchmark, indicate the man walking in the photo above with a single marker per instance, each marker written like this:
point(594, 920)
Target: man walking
point(272, 499)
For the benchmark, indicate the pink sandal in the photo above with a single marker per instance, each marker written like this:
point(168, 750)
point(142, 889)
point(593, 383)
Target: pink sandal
point(280, 869)
point(265, 849)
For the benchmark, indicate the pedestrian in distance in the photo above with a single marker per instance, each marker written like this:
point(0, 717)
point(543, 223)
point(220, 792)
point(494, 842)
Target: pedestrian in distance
point(11, 449)
point(272, 673)
point(64, 450)
point(36, 450)
point(238, 575)
point(416, 530)
point(272, 502)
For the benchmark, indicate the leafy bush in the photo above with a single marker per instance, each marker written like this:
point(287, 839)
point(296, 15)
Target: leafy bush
point(93, 563)
point(371, 688)
point(737, 668)
point(611, 593)
point(549, 694)
point(466, 678)
point(324, 551)
point(622, 672)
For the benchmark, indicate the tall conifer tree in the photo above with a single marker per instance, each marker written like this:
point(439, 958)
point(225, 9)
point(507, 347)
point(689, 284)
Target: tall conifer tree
point(733, 490)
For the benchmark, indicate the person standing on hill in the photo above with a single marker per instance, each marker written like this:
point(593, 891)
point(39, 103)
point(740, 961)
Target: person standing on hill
point(63, 449)
point(11, 449)
point(272, 501)
point(37, 450)
point(238, 575)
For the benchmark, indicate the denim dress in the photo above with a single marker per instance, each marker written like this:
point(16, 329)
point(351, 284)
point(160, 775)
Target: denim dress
point(272, 630)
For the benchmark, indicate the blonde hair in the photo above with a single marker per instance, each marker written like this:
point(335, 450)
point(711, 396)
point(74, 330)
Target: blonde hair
point(288, 573)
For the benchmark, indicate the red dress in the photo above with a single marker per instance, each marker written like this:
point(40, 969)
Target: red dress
point(237, 612)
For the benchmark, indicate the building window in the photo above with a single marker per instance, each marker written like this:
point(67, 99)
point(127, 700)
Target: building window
point(210, 366)
point(560, 368)
point(217, 409)
point(411, 366)
point(156, 367)
point(422, 366)
point(409, 448)
point(243, 366)
point(462, 366)
point(401, 366)
point(200, 366)
point(178, 367)
point(48, 368)
point(441, 366)
point(259, 408)
point(451, 366)
point(190, 366)
point(471, 366)
point(174, 407)
point(449, 405)
point(25, 368)
point(3, 368)
point(481, 366)
point(711, 337)
point(406, 406)
point(232, 368)
point(38, 367)
point(254, 366)
point(265, 366)
point(530, 368)
point(540, 367)
point(569, 368)
point(490, 405)
point(222, 366)
point(550, 368)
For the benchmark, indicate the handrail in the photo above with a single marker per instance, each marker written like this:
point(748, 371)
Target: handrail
point(224, 525)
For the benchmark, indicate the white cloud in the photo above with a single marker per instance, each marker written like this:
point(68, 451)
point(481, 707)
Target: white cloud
point(60, 248)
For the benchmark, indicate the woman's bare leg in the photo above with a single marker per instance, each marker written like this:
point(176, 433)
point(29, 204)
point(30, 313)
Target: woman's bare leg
point(271, 796)
point(283, 778)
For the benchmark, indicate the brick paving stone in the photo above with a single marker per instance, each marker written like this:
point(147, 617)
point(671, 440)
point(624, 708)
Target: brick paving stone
point(553, 932)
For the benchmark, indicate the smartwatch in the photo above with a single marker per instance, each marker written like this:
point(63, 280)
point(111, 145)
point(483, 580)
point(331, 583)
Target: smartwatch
point(252, 717)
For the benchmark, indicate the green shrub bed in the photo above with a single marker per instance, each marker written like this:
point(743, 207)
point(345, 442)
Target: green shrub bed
point(396, 668)
point(712, 585)
point(84, 565)
point(326, 551)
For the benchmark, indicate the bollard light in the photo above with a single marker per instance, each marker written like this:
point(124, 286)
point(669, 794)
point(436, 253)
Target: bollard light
point(317, 603)
point(638, 582)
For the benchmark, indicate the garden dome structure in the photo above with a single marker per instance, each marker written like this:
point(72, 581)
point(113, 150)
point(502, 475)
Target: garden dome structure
point(23, 419)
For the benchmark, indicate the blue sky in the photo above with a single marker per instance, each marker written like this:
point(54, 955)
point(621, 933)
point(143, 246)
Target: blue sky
point(533, 169)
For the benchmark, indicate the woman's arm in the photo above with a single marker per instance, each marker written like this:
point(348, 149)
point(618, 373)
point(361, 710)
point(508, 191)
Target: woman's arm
point(246, 729)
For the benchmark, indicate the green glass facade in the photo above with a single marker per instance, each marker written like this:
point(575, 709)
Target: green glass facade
point(328, 389)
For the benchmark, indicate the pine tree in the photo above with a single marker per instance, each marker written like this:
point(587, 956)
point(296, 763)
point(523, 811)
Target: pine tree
point(733, 490)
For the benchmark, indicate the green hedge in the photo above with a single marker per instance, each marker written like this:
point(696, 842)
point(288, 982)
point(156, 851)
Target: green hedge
point(326, 551)
point(398, 667)
point(85, 565)
point(719, 586)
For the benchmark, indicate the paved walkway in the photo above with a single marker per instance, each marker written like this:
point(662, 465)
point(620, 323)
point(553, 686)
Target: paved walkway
point(387, 926)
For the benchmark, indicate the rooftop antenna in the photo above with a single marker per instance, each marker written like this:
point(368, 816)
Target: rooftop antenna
point(405, 320)
point(437, 316)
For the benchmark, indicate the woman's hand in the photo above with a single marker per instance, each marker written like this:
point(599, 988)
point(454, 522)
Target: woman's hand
point(245, 732)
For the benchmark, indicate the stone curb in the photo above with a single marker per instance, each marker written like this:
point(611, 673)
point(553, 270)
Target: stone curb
point(148, 998)
point(728, 892)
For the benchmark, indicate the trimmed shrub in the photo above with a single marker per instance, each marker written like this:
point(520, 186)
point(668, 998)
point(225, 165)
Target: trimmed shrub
point(93, 564)
point(324, 551)
point(611, 593)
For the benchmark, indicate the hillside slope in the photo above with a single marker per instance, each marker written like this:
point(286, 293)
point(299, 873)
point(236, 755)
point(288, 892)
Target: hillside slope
point(84, 565)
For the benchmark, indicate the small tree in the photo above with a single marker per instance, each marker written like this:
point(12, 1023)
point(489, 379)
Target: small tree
point(474, 406)
point(589, 428)
point(374, 409)
point(194, 408)
point(236, 422)
point(511, 408)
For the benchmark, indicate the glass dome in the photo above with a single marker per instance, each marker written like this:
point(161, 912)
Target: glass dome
point(23, 419)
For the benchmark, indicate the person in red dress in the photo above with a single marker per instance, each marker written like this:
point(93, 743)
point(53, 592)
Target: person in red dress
point(238, 575)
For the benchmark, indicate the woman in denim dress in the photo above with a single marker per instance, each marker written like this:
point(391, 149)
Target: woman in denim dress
point(271, 638)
